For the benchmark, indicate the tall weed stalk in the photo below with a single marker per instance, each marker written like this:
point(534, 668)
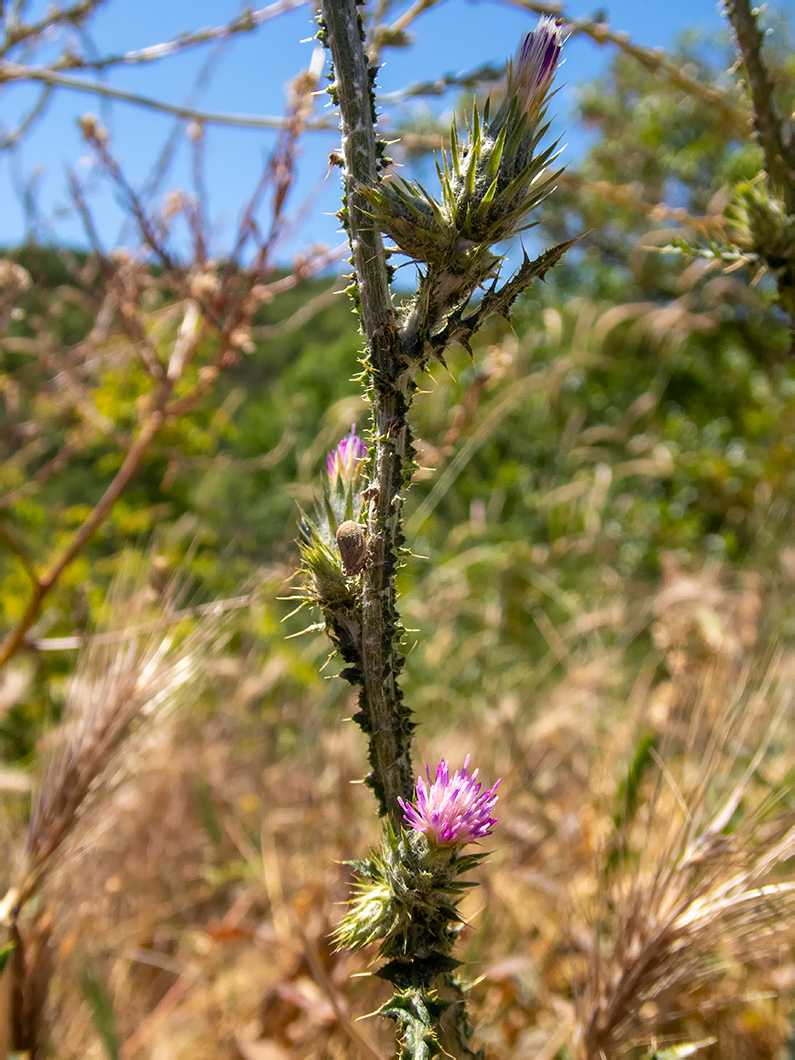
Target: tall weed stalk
point(407, 892)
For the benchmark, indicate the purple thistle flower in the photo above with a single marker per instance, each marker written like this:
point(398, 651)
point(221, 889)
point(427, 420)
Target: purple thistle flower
point(451, 810)
point(531, 72)
point(345, 462)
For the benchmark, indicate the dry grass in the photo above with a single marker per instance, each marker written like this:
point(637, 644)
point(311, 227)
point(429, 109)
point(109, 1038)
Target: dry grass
point(148, 658)
point(699, 887)
point(201, 885)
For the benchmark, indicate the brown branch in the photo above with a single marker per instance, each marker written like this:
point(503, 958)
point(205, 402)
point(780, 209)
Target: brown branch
point(17, 549)
point(46, 75)
point(59, 461)
point(15, 638)
point(16, 32)
point(246, 22)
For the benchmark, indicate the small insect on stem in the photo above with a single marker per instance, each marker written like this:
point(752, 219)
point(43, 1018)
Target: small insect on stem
point(352, 543)
point(335, 159)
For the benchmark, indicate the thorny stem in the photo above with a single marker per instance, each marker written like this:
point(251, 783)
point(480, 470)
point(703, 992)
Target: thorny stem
point(428, 1004)
point(779, 160)
point(385, 719)
point(778, 148)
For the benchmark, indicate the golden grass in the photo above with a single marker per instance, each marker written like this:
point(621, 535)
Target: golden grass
point(202, 879)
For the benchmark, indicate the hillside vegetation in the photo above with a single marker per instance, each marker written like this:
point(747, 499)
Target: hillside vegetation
point(597, 589)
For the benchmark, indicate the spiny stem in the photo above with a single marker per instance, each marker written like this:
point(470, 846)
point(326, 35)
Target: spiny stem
point(779, 160)
point(385, 718)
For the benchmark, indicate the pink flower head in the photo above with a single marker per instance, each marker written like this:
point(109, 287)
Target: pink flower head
point(451, 810)
point(531, 72)
point(345, 462)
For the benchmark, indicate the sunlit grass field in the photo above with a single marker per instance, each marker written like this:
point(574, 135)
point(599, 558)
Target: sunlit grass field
point(594, 609)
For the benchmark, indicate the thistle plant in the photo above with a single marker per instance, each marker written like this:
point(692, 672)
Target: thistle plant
point(759, 221)
point(326, 581)
point(489, 183)
point(487, 188)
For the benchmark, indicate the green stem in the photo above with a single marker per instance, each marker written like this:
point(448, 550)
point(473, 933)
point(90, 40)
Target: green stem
point(384, 716)
point(779, 156)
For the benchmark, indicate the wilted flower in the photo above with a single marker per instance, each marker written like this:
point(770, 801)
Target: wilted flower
point(345, 462)
point(451, 810)
point(531, 72)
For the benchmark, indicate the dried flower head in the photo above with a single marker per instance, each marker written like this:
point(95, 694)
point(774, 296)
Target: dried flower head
point(13, 278)
point(352, 543)
point(346, 462)
point(451, 810)
point(530, 74)
point(92, 129)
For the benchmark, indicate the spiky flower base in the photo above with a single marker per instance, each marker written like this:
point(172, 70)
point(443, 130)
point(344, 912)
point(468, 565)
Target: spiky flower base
point(488, 187)
point(406, 897)
point(758, 223)
point(326, 580)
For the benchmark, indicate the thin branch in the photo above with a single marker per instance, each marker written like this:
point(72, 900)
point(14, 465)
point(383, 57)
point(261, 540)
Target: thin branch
point(471, 79)
point(169, 618)
point(301, 315)
point(12, 138)
point(16, 32)
point(17, 549)
point(626, 196)
point(175, 138)
point(15, 638)
point(52, 467)
point(246, 22)
point(151, 237)
point(413, 13)
point(12, 72)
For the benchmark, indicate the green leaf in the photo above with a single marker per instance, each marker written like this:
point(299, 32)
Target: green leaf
point(212, 825)
point(629, 794)
point(101, 1012)
point(5, 953)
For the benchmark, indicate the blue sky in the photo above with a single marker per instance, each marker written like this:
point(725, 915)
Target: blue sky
point(249, 76)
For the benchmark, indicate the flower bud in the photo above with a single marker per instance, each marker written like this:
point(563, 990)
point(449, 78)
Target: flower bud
point(530, 74)
point(489, 183)
point(352, 543)
point(346, 463)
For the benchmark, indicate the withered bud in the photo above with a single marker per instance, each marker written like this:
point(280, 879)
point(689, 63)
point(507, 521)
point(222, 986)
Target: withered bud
point(92, 129)
point(263, 294)
point(240, 339)
point(352, 543)
point(203, 282)
point(208, 373)
point(13, 277)
point(175, 203)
